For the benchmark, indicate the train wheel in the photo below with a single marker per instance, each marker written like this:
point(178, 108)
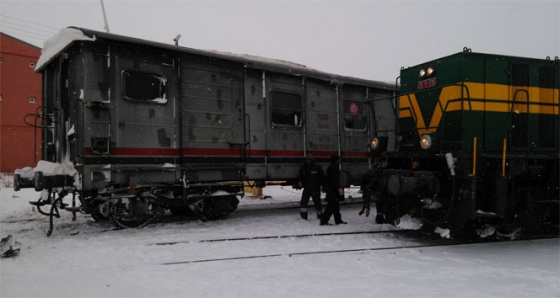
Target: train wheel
point(216, 208)
point(131, 213)
point(180, 210)
point(97, 216)
point(101, 212)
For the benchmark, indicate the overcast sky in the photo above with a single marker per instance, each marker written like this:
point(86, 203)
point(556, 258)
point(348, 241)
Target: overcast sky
point(365, 39)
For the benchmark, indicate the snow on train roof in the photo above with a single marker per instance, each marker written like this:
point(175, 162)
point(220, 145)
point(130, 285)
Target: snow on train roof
point(58, 43)
point(67, 36)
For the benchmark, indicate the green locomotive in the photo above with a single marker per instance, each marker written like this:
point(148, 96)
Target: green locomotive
point(477, 144)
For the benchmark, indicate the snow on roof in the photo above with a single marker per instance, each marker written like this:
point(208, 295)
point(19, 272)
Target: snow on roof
point(58, 43)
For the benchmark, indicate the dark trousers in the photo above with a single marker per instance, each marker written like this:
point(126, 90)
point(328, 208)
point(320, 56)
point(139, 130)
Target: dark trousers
point(333, 208)
point(315, 195)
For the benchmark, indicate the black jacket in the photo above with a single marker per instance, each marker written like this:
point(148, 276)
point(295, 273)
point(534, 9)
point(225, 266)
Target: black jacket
point(333, 180)
point(311, 176)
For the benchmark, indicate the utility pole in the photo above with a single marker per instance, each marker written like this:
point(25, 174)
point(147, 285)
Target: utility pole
point(105, 17)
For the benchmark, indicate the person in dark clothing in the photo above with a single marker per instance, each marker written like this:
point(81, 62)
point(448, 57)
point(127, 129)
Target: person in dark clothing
point(310, 178)
point(334, 191)
point(371, 185)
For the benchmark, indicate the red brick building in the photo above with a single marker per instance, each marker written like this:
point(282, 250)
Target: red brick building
point(20, 94)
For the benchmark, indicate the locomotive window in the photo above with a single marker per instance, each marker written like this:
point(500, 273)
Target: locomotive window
point(286, 109)
point(144, 87)
point(354, 115)
point(520, 75)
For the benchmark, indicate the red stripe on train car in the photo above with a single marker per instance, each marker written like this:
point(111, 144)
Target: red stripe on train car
point(354, 154)
point(211, 152)
point(145, 151)
point(219, 152)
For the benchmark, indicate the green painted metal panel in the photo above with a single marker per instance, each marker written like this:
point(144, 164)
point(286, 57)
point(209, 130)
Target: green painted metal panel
point(493, 82)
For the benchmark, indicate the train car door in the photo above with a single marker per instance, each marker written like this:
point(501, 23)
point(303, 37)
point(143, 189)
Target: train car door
point(145, 122)
point(384, 119)
point(520, 114)
point(355, 130)
point(285, 140)
point(213, 132)
point(532, 124)
point(321, 121)
point(255, 124)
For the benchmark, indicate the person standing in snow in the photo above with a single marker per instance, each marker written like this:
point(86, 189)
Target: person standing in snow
point(310, 178)
point(334, 191)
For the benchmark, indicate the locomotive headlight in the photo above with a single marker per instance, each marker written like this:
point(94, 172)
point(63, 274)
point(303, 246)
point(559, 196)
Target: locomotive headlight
point(422, 73)
point(430, 71)
point(426, 142)
point(374, 143)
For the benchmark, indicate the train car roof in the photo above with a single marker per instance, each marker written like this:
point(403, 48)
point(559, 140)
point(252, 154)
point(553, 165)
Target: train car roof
point(61, 41)
point(468, 52)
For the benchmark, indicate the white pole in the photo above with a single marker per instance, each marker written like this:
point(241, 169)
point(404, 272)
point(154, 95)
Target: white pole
point(105, 17)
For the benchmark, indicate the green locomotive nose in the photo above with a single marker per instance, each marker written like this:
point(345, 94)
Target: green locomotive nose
point(487, 126)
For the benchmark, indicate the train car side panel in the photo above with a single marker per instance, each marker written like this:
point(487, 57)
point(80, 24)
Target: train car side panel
point(356, 128)
point(145, 96)
point(256, 118)
point(135, 128)
point(286, 124)
point(212, 118)
point(322, 127)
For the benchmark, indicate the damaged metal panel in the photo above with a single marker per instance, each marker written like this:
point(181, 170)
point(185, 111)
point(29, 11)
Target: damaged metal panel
point(145, 98)
point(212, 106)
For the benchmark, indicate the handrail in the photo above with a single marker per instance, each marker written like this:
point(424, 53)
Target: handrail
point(474, 158)
point(504, 151)
point(508, 132)
point(513, 103)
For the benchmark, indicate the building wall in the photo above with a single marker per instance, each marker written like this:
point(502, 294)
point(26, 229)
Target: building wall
point(20, 94)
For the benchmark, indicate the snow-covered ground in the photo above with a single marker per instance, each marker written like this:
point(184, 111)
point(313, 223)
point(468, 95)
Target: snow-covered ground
point(84, 259)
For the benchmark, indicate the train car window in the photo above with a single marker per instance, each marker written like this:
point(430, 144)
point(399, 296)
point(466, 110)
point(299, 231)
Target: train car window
point(144, 87)
point(354, 115)
point(286, 109)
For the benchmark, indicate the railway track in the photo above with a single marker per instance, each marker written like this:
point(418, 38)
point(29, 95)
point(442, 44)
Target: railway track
point(284, 236)
point(409, 239)
point(396, 247)
point(407, 245)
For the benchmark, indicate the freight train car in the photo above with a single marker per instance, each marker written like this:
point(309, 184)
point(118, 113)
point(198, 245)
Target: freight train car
point(478, 144)
point(135, 128)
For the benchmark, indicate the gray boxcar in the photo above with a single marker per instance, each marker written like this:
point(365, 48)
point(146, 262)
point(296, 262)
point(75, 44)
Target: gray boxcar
point(135, 127)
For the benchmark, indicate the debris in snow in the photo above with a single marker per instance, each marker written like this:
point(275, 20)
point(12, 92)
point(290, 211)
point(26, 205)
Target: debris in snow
point(8, 247)
point(5, 242)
